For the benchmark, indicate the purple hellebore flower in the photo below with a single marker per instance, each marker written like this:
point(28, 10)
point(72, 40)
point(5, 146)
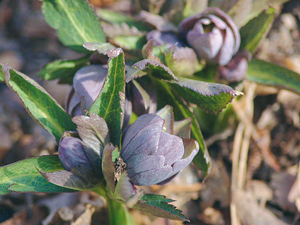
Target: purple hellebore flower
point(212, 34)
point(152, 151)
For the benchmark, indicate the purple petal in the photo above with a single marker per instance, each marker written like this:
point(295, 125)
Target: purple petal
point(72, 103)
point(171, 147)
point(152, 176)
point(146, 127)
point(219, 23)
point(146, 143)
point(206, 45)
point(227, 49)
point(191, 150)
point(167, 114)
point(141, 163)
point(223, 16)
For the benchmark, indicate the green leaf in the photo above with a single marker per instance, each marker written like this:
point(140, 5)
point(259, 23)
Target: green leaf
point(114, 17)
point(210, 97)
point(75, 22)
point(158, 205)
point(165, 96)
point(63, 69)
point(110, 103)
point(256, 29)
point(157, 69)
point(193, 7)
point(2, 77)
point(259, 6)
point(23, 176)
point(266, 73)
point(39, 104)
point(129, 42)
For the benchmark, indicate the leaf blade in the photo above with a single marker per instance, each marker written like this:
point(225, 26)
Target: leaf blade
point(266, 73)
point(70, 18)
point(158, 205)
point(2, 77)
point(62, 69)
point(39, 104)
point(210, 97)
point(256, 29)
point(23, 176)
point(111, 101)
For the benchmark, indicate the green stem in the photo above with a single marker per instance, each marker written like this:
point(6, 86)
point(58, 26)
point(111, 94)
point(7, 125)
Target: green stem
point(117, 211)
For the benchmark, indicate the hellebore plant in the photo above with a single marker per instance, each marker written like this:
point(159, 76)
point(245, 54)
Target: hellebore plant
point(118, 130)
point(212, 34)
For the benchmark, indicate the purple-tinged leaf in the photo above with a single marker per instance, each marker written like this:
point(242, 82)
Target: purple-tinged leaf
point(210, 97)
point(39, 104)
point(102, 48)
point(108, 167)
point(64, 178)
point(160, 71)
point(147, 52)
point(132, 73)
point(93, 131)
point(158, 205)
point(124, 189)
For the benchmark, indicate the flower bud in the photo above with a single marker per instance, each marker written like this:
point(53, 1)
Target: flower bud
point(235, 70)
point(212, 34)
point(179, 58)
point(87, 84)
point(72, 154)
point(151, 151)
